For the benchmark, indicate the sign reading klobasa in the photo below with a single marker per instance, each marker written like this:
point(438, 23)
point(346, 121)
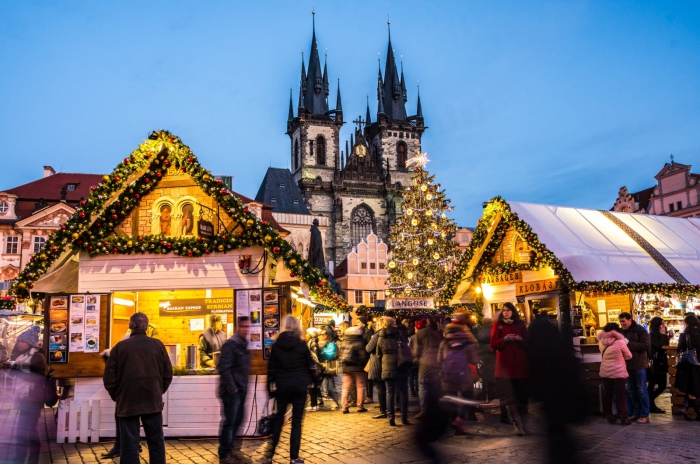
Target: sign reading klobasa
point(410, 303)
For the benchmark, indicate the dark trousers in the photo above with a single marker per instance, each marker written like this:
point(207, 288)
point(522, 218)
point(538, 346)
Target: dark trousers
point(413, 380)
point(381, 395)
point(315, 395)
point(392, 385)
point(370, 386)
point(296, 396)
point(27, 436)
point(656, 386)
point(232, 416)
point(616, 387)
point(130, 437)
point(433, 423)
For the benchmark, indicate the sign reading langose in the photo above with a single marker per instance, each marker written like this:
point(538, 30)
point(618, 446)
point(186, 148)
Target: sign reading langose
point(410, 303)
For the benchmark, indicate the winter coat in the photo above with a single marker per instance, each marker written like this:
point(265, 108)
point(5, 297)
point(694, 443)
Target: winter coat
point(511, 357)
point(137, 374)
point(425, 350)
point(355, 343)
point(387, 351)
point(375, 364)
point(639, 344)
point(486, 355)
point(461, 340)
point(290, 363)
point(28, 374)
point(209, 343)
point(688, 377)
point(328, 368)
point(658, 341)
point(233, 367)
point(613, 346)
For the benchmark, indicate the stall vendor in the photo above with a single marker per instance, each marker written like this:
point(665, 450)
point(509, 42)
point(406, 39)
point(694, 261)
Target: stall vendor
point(211, 341)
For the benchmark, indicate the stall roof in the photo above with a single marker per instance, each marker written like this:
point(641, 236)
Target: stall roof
point(594, 248)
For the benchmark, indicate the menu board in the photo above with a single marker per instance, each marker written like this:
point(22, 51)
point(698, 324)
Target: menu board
point(83, 323)
point(271, 320)
point(248, 303)
point(58, 329)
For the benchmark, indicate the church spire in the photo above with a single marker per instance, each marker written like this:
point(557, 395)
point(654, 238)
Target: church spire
point(302, 84)
point(368, 117)
point(338, 103)
point(291, 108)
point(419, 110)
point(394, 89)
point(380, 91)
point(315, 93)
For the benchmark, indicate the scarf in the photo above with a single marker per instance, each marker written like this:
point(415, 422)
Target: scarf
point(508, 321)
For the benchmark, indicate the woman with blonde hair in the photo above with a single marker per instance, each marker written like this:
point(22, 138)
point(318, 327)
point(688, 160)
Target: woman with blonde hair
point(290, 370)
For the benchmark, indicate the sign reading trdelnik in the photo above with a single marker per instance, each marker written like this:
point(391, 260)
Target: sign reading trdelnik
point(410, 303)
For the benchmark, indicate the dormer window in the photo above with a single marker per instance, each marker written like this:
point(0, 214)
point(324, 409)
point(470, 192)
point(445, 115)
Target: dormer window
point(4, 207)
point(281, 186)
point(273, 199)
point(296, 202)
point(71, 187)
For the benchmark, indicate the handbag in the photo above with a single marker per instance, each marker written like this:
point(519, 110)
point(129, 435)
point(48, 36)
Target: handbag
point(50, 390)
point(688, 358)
point(266, 424)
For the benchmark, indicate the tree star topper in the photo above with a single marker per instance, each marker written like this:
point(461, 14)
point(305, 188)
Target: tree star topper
point(421, 159)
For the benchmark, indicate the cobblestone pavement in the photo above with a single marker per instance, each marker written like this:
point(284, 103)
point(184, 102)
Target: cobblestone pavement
point(330, 437)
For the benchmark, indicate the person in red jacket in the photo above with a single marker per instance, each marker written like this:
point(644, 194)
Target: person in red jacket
point(509, 340)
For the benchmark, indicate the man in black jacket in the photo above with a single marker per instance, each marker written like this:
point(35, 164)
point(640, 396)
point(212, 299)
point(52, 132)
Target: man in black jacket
point(137, 374)
point(233, 377)
point(639, 344)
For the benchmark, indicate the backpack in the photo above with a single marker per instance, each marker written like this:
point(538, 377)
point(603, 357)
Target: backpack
point(348, 353)
point(329, 351)
point(405, 357)
point(455, 367)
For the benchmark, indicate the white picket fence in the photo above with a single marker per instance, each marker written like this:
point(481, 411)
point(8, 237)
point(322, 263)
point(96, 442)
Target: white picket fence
point(78, 420)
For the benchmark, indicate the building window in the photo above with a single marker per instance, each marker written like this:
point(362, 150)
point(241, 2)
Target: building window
point(6, 284)
point(362, 224)
point(358, 297)
point(363, 265)
point(3, 207)
point(71, 187)
point(12, 247)
point(295, 161)
point(320, 150)
point(373, 265)
point(296, 202)
point(39, 243)
point(671, 207)
point(679, 205)
point(401, 155)
point(372, 297)
point(281, 186)
point(273, 200)
point(382, 266)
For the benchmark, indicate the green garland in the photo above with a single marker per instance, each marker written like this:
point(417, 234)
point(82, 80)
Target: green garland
point(8, 302)
point(544, 258)
point(91, 228)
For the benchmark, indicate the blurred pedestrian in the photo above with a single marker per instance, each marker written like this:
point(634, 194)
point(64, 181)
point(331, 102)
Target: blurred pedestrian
point(315, 398)
point(509, 340)
point(233, 368)
point(639, 344)
point(387, 351)
point(425, 352)
point(487, 360)
point(688, 375)
point(27, 365)
point(658, 367)
point(403, 368)
point(613, 371)
point(353, 357)
point(367, 332)
point(290, 370)
point(137, 375)
point(375, 372)
point(457, 351)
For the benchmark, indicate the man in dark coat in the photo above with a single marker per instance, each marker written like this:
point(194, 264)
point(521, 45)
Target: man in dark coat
point(233, 384)
point(425, 350)
point(367, 333)
point(639, 345)
point(137, 374)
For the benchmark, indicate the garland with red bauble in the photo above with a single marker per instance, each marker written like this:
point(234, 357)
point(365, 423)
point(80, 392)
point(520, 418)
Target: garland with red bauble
point(91, 228)
point(544, 258)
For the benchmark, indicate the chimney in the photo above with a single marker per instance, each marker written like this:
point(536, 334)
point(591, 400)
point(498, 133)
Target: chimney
point(48, 171)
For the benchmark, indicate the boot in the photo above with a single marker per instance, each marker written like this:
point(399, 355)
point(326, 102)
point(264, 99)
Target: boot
point(504, 415)
point(693, 403)
point(518, 426)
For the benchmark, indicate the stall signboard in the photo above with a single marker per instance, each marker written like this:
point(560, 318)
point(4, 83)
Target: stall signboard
point(271, 320)
point(205, 229)
point(537, 286)
point(58, 329)
point(322, 319)
point(261, 306)
point(410, 303)
point(195, 306)
point(502, 279)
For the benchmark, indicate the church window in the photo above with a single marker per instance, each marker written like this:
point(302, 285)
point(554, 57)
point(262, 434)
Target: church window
point(12, 247)
point(671, 207)
point(679, 205)
point(401, 155)
point(296, 153)
point(362, 224)
point(273, 199)
point(358, 297)
point(39, 243)
point(320, 150)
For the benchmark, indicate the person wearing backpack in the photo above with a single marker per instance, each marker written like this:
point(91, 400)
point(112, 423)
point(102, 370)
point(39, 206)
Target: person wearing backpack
point(509, 340)
point(658, 365)
point(457, 351)
point(328, 355)
point(353, 358)
point(388, 353)
point(613, 371)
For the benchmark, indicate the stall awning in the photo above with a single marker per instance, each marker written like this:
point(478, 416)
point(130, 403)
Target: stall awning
point(62, 280)
point(594, 247)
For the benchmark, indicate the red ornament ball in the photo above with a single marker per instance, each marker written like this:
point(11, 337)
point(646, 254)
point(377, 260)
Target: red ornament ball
point(206, 252)
point(137, 196)
point(63, 227)
point(115, 216)
point(291, 274)
point(189, 252)
point(246, 210)
point(159, 174)
point(81, 214)
point(116, 179)
point(90, 248)
point(146, 179)
point(276, 250)
point(82, 202)
point(265, 223)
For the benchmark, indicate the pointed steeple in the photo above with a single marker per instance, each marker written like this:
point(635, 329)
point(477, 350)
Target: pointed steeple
point(338, 103)
point(419, 110)
point(291, 109)
point(325, 80)
point(394, 91)
point(302, 84)
point(368, 117)
point(380, 91)
point(315, 95)
point(403, 84)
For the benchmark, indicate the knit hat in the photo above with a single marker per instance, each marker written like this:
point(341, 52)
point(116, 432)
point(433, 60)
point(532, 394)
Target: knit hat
point(30, 336)
point(453, 328)
point(421, 324)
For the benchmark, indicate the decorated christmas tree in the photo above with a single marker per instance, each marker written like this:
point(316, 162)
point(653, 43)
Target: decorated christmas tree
point(422, 250)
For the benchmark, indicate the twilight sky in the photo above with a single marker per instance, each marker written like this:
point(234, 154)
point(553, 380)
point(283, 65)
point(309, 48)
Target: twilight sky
point(548, 102)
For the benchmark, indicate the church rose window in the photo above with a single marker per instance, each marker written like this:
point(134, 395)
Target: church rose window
point(401, 155)
point(362, 224)
point(320, 150)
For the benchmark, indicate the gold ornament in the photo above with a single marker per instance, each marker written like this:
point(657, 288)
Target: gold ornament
point(220, 248)
point(409, 211)
point(414, 222)
point(250, 222)
point(268, 239)
point(105, 178)
point(129, 244)
point(205, 177)
point(42, 256)
point(392, 264)
point(292, 262)
point(415, 261)
point(434, 226)
point(443, 234)
point(429, 285)
point(22, 286)
point(75, 236)
point(424, 188)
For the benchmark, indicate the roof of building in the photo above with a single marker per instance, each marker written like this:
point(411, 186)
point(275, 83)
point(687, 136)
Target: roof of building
point(643, 197)
point(279, 190)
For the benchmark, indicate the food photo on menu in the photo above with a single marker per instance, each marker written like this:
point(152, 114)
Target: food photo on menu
point(254, 296)
point(271, 310)
point(60, 302)
point(78, 299)
point(272, 321)
point(271, 297)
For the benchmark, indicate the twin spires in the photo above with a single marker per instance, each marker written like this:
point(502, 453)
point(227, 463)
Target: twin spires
point(394, 87)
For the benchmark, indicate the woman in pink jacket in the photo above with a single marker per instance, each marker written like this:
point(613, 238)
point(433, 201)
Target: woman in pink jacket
point(613, 370)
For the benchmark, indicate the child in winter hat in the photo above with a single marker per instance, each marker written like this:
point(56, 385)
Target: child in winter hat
point(30, 336)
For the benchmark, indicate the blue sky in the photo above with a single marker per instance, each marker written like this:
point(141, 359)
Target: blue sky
point(549, 102)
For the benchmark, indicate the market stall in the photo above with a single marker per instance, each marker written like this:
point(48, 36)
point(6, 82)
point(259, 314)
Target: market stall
point(162, 236)
point(582, 267)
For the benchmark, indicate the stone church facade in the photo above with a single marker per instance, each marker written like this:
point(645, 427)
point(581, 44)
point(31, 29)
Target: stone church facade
point(357, 186)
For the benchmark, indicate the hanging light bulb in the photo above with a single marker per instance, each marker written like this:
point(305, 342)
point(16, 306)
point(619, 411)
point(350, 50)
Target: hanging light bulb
point(414, 222)
point(387, 292)
point(409, 211)
point(392, 264)
point(429, 285)
point(443, 234)
point(430, 241)
point(434, 226)
point(424, 188)
point(429, 212)
point(436, 256)
point(428, 197)
point(415, 261)
point(444, 216)
point(410, 275)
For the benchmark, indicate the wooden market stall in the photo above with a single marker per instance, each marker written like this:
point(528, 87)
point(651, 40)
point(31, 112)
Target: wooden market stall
point(162, 236)
point(583, 268)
